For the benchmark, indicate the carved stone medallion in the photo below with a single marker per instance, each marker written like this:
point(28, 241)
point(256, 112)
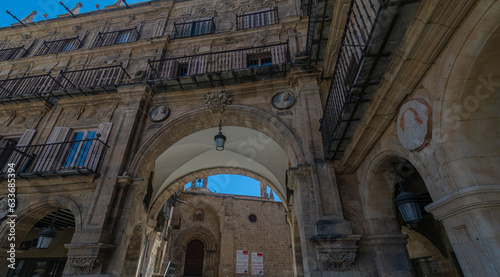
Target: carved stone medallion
point(283, 100)
point(216, 101)
point(414, 124)
point(159, 113)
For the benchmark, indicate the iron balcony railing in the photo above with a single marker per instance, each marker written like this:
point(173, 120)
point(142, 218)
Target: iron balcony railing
point(194, 28)
point(27, 88)
point(109, 76)
point(217, 62)
point(358, 33)
point(56, 46)
point(12, 53)
point(311, 27)
point(61, 158)
point(257, 19)
point(116, 37)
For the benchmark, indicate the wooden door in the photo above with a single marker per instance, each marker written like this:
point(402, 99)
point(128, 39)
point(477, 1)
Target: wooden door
point(194, 258)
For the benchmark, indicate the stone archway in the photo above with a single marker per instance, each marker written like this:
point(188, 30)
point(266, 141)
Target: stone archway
point(202, 119)
point(35, 215)
point(211, 250)
point(31, 210)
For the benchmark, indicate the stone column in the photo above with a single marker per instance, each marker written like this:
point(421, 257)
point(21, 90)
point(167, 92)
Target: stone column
point(328, 243)
point(95, 251)
point(391, 257)
point(470, 217)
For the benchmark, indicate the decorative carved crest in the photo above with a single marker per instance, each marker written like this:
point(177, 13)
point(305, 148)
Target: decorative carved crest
point(191, 50)
point(83, 266)
point(257, 4)
point(259, 39)
point(199, 10)
point(336, 260)
point(225, 6)
point(216, 101)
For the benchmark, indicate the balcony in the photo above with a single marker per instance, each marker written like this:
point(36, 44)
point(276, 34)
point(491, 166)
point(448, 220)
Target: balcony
point(100, 80)
point(219, 68)
point(56, 46)
point(90, 81)
point(369, 39)
point(257, 19)
point(12, 53)
point(194, 28)
point(27, 89)
point(116, 37)
point(80, 157)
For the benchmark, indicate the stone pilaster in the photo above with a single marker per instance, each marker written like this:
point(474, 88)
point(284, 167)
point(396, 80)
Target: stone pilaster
point(468, 216)
point(391, 257)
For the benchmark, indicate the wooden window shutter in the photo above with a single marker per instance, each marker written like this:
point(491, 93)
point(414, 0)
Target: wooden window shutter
point(98, 147)
point(51, 154)
point(17, 157)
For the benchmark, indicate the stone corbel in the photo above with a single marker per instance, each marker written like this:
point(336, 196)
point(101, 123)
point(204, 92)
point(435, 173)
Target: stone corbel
point(336, 253)
point(87, 259)
point(83, 266)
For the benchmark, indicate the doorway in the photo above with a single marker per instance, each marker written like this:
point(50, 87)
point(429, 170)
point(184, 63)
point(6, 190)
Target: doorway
point(193, 265)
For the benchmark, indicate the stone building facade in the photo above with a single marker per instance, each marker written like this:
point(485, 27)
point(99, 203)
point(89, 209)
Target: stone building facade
point(226, 224)
point(106, 114)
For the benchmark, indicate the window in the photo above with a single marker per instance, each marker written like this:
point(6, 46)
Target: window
point(16, 150)
point(198, 215)
point(183, 69)
point(11, 53)
point(116, 37)
point(257, 19)
point(62, 45)
point(256, 60)
point(67, 150)
point(194, 28)
point(78, 151)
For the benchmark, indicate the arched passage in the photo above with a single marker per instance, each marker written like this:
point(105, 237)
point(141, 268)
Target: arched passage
point(199, 120)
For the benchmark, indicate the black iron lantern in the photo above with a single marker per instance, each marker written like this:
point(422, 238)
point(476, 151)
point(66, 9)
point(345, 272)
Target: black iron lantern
point(47, 236)
point(220, 139)
point(407, 203)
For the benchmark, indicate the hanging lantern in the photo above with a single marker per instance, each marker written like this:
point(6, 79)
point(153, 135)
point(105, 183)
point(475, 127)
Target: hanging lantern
point(220, 139)
point(407, 203)
point(46, 236)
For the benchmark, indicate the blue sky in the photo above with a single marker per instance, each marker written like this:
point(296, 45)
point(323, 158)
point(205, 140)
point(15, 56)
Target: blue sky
point(235, 184)
point(22, 8)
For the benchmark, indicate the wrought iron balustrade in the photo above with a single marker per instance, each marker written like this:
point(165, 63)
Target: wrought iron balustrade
point(363, 58)
point(311, 11)
point(12, 53)
point(61, 158)
point(217, 62)
point(28, 88)
point(87, 80)
point(116, 37)
point(56, 46)
point(257, 19)
point(194, 28)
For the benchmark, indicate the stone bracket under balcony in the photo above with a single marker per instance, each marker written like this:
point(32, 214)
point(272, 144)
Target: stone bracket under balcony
point(336, 252)
point(219, 68)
